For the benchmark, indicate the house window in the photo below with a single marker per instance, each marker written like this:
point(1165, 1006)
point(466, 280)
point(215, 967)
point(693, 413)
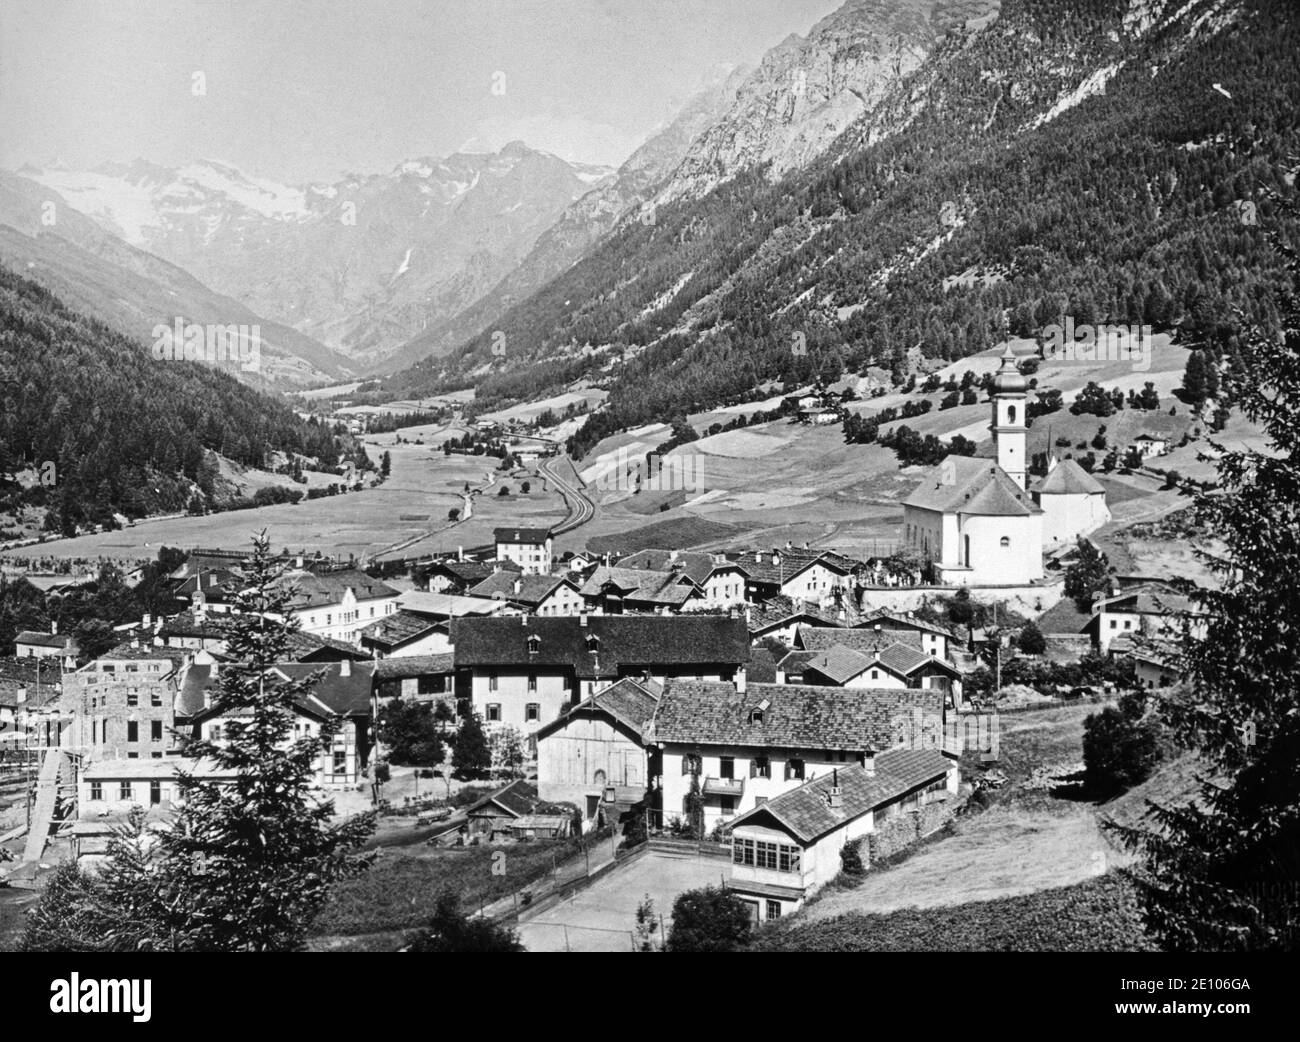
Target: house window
point(132, 731)
point(155, 730)
point(340, 761)
point(124, 790)
point(155, 698)
point(214, 732)
point(155, 792)
point(155, 756)
point(533, 711)
point(773, 909)
point(532, 682)
point(133, 698)
point(494, 711)
point(760, 767)
point(692, 763)
point(875, 674)
point(96, 790)
point(534, 645)
point(727, 804)
point(493, 682)
point(742, 851)
point(1005, 541)
point(1113, 624)
point(794, 769)
point(765, 854)
point(727, 767)
point(568, 683)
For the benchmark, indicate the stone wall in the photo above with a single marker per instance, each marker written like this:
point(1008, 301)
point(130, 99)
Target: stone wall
point(1031, 600)
point(902, 831)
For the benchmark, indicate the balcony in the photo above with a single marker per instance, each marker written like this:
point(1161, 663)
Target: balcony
point(724, 787)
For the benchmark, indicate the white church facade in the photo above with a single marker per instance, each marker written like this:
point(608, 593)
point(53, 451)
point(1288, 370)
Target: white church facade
point(977, 521)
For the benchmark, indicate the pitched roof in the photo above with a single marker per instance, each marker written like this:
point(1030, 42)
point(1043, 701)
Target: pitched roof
point(1148, 599)
point(698, 565)
point(781, 611)
point(210, 625)
point(338, 692)
point(402, 667)
point(167, 767)
point(866, 641)
point(470, 572)
point(908, 621)
point(523, 589)
point(796, 716)
point(807, 814)
point(446, 605)
point(516, 799)
point(622, 642)
point(400, 628)
point(630, 702)
point(839, 664)
point(642, 585)
point(780, 566)
point(967, 485)
point(521, 535)
point(317, 589)
point(1068, 478)
point(44, 640)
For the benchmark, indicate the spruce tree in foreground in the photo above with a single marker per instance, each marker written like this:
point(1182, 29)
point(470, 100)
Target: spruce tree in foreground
point(250, 861)
point(1222, 873)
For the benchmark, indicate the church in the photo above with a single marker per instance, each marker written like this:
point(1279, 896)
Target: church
point(980, 523)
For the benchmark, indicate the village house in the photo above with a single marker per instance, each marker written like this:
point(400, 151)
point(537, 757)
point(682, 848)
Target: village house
point(595, 755)
point(1150, 610)
point(615, 590)
point(339, 604)
point(1149, 445)
point(122, 705)
point(424, 678)
point(36, 644)
point(929, 637)
point(781, 619)
point(720, 581)
point(524, 671)
point(405, 633)
point(889, 664)
point(497, 817)
point(529, 548)
point(747, 743)
point(344, 694)
point(456, 575)
point(532, 594)
point(786, 849)
point(820, 577)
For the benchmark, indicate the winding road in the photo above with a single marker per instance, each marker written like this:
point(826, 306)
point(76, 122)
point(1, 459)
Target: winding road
point(581, 508)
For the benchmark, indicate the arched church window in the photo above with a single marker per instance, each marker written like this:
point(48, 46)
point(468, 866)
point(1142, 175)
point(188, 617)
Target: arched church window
point(1011, 414)
point(1005, 541)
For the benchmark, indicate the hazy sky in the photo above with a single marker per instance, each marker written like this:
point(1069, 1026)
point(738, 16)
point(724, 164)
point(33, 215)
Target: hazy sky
point(308, 89)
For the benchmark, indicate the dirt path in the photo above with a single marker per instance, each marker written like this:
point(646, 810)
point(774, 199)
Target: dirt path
point(1003, 852)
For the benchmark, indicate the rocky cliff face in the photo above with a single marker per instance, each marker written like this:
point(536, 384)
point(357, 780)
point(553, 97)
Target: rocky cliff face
point(807, 91)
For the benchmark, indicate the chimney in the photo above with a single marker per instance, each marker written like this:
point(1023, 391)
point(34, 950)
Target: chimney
point(869, 764)
point(582, 618)
point(460, 553)
point(672, 555)
point(758, 557)
point(345, 668)
point(146, 620)
point(834, 797)
point(21, 695)
point(780, 675)
point(742, 680)
point(298, 561)
point(519, 585)
point(54, 627)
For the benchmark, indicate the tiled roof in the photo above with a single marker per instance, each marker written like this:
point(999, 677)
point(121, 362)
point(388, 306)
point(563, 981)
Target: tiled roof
point(641, 585)
point(521, 535)
point(1151, 599)
point(868, 641)
point(622, 642)
point(1068, 478)
point(967, 485)
point(166, 768)
point(43, 640)
point(470, 572)
point(839, 664)
point(523, 589)
point(316, 590)
point(144, 652)
point(344, 694)
point(517, 799)
point(630, 702)
point(780, 566)
point(797, 716)
point(807, 813)
point(884, 618)
point(699, 566)
point(782, 611)
point(210, 625)
point(302, 646)
point(397, 629)
point(402, 667)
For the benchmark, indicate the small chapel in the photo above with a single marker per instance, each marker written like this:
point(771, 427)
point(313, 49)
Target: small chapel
point(979, 521)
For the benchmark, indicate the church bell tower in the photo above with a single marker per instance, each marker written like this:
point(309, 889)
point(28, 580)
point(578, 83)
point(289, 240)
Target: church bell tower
point(1009, 431)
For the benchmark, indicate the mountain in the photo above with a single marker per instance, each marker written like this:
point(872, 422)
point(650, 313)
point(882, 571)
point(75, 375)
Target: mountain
point(364, 264)
point(114, 429)
point(588, 220)
point(1115, 162)
point(45, 238)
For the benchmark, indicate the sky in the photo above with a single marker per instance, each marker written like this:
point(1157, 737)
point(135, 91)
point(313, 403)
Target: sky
point(308, 90)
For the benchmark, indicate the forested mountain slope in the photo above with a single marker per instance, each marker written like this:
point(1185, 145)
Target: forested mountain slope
point(1107, 160)
point(125, 432)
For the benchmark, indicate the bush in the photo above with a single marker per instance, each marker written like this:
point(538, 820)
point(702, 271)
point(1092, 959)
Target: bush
point(851, 863)
point(709, 920)
point(1120, 748)
point(1032, 641)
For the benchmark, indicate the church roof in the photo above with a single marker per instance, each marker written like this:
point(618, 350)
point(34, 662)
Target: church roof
point(1068, 478)
point(965, 485)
